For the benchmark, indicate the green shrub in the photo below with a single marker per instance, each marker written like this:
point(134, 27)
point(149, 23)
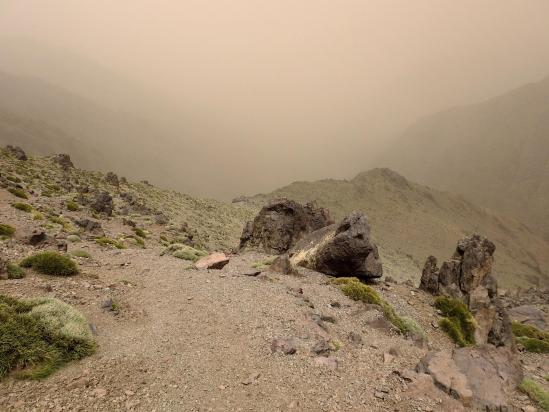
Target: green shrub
point(22, 206)
point(533, 339)
point(6, 230)
point(81, 254)
point(458, 323)
point(108, 242)
point(18, 193)
point(74, 238)
point(51, 263)
point(38, 336)
point(14, 179)
point(356, 290)
point(536, 393)
point(14, 271)
point(140, 232)
point(189, 253)
point(37, 216)
point(533, 345)
point(72, 206)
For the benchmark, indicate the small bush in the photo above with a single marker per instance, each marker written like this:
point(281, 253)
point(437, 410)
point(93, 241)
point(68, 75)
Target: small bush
point(108, 242)
point(39, 336)
point(17, 192)
point(14, 271)
point(72, 206)
point(37, 216)
point(6, 230)
point(536, 393)
point(140, 232)
point(51, 263)
point(74, 238)
point(458, 323)
point(81, 254)
point(14, 179)
point(24, 207)
point(533, 339)
point(533, 345)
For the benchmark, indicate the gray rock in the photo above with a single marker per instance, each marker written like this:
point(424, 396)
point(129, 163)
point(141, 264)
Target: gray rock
point(287, 346)
point(63, 160)
point(282, 264)
point(112, 179)
point(103, 203)
point(529, 315)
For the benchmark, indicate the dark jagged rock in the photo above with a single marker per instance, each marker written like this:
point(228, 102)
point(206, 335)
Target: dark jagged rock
point(112, 179)
point(17, 152)
point(103, 203)
point(468, 276)
point(344, 249)
point(282, 264)
point(89, 225)
point(33, 237)
point(63, 160)
point(281, 224)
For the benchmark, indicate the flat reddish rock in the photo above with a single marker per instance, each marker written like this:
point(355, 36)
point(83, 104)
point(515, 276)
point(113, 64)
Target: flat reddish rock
point(216, 260)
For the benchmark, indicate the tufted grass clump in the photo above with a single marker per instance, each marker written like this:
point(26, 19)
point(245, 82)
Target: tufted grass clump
point(14, 271)
point(189, 253)
point(72, 206)
point(356, 290)
point(533, 339)
point(51, 263)
point(18, 192)
point(24, 207)
point(140, 232)
point(6, 230)
point(38, 336)
point(81, 254)
point(458, 322)
point(536, 393)
point(108, 242)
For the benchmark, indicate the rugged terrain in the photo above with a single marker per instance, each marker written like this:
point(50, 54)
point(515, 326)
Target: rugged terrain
point(171, 337)
point(495, 152)
point(411, 221)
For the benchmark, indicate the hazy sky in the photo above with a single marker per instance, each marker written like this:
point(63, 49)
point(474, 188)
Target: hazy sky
point(297, 89)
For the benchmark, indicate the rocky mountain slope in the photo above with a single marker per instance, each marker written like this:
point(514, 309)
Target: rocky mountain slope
point(411, 222)
point(495, 152)
point(170, 336)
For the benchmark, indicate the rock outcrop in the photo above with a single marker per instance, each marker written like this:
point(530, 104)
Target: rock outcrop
point(479, 377)
point(216, 260)
point(468, 276)
point(529, 315)
point(63, 160)
point(112, 179)
point(103, 203)
point(281, 224)
point(16, 152)
point(344, 249)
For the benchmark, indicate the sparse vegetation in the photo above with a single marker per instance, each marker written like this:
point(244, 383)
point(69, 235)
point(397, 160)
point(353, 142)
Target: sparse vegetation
point(14, 271)
point(24, 207)
point(189, 253)
point(140, 232)
point(37, 216)
point(536, 393)
point(38, 336)
point(356, 290)
point(72, 206)
point(108, 242)
point(81, 254)
point(51, 263)
point(533, 339)
point(18, 192)
point(264, 264)
point(6, 230)
point(458, 322)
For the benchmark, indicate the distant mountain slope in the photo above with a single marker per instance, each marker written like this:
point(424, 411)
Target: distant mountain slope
point(410, 222)
point(495, 152)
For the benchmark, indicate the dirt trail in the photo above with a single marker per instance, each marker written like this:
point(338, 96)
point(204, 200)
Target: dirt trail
point(201, 340)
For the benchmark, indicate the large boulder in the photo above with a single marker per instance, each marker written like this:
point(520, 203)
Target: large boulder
point(480, 378)
point(344, 249)
point(281, 224)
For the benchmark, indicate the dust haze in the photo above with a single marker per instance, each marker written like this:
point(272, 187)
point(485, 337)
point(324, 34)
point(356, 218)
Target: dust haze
point(244, 96)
